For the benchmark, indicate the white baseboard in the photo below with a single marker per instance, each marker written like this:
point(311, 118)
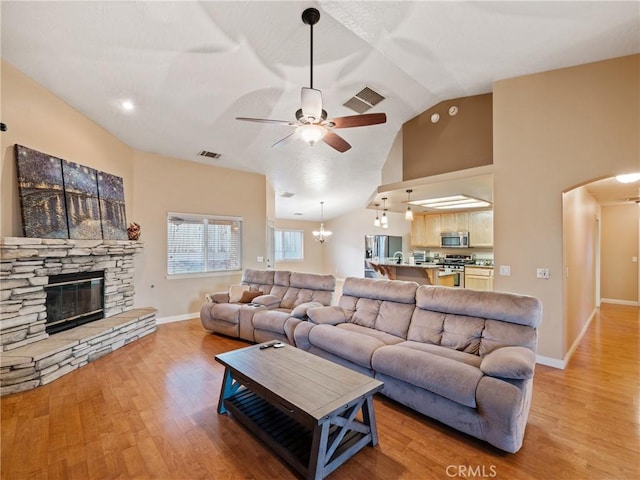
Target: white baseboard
point(176, 318)
point(551, 362)
point(619, 302)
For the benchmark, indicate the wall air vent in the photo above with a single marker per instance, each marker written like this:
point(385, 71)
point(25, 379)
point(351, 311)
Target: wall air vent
point(204, 153)
point(363, 100)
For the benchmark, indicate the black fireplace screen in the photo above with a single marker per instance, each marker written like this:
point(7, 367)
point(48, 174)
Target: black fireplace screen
point(74, 299)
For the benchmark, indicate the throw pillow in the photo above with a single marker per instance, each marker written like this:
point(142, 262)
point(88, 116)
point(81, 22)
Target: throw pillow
point(236, 291)
point(247, 297)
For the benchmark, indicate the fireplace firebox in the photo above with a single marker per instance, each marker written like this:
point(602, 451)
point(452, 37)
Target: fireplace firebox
point(74, 299)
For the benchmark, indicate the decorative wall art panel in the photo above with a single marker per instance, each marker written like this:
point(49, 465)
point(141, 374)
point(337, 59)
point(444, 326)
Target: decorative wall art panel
point(62, 199)
point(111, 194)
point(83, 207)
point(41, 191)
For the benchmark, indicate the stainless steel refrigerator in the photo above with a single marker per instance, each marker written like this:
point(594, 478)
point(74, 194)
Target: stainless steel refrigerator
point(379, 246)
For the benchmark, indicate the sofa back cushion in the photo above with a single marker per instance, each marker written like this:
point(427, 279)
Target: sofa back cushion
point(308, 287)
point(385, 305)
point(474, 321)
point(261, 280)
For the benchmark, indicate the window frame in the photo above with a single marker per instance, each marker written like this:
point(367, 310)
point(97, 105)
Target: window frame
point(204, 219)
point(278, 231)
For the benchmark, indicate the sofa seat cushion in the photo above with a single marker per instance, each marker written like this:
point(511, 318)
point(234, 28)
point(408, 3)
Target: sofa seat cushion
point(464, 357)
point(384, 337)
point(441, 375)
point(227, 312)
point(270, 320)
point(350, 345)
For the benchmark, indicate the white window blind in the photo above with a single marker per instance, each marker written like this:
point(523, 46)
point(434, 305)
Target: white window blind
point(201, 244)
point(289, 245)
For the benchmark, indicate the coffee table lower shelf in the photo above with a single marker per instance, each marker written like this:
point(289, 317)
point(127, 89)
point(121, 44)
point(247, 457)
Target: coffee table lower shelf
point(289, 439)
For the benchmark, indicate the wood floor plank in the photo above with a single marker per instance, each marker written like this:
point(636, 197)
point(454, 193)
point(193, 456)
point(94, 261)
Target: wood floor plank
point(148, 410)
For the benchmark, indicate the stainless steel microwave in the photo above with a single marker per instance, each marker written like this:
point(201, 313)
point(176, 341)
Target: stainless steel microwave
point(454, 240)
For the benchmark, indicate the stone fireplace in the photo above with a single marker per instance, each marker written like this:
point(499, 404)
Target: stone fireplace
point(33, 270)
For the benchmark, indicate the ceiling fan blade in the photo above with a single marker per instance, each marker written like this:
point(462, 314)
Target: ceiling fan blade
point(336, 141)
point(266, 120)
point(359, 120)
point(311, 101)
point(285, 140)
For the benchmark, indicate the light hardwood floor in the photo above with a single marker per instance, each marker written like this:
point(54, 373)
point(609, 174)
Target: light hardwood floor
point(148, 410)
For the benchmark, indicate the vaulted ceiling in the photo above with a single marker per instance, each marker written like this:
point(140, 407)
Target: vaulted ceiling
point(190, 68)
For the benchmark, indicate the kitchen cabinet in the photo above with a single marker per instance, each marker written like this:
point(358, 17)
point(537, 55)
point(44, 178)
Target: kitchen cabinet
point(454, 222)
point(478, 278)
point(418, 231)
point(481, 228)
point(432, 229)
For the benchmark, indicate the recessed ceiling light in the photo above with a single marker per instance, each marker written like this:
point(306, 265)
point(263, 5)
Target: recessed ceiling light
point(435, 117)
point(453, 110)
point(127, 105)
point(628, 178)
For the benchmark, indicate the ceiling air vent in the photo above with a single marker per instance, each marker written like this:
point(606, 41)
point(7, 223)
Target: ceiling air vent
point(204, 153)
point(287, 194)
point(363, 100)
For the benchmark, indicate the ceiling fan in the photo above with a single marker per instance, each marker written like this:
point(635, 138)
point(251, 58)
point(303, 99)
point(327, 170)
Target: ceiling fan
point(311, 123)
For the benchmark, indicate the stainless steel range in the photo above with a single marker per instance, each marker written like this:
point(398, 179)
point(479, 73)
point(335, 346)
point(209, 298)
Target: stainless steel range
point(455, 263)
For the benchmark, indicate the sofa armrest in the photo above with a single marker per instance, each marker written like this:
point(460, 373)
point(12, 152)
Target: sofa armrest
point(269, 301)
point(517, 363)
point(301, 310)
point(327, 315)
point(218, 297)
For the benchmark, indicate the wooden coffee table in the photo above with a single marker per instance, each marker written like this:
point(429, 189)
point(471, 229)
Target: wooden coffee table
point(302, 406)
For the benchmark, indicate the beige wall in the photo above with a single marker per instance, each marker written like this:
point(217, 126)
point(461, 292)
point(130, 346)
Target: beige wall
point(619, 244)
point(553, 131)
point(392, 168)
point(453, 143)
point(37, 119)
point(154, 185)
point(164, 185)
point(580, 227)
point(313, 250)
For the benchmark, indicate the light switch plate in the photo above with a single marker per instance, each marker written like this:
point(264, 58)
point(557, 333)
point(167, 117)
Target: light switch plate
point(505, 270)
point(542, 273)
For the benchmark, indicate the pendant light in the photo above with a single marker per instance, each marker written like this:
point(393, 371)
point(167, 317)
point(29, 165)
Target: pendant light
point(384, 221)
point(322, 234)
point(408, 215)
point(376, 222)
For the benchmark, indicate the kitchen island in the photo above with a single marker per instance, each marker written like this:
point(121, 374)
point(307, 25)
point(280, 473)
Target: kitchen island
point(425, 274)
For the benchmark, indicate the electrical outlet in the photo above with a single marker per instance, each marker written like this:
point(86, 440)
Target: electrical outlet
point(505, 270)
point(542, 273)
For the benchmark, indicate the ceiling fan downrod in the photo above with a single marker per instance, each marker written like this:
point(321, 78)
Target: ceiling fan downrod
point(310, 17)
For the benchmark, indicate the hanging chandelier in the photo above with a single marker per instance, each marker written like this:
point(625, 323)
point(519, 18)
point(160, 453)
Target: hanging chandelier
point(321, 235)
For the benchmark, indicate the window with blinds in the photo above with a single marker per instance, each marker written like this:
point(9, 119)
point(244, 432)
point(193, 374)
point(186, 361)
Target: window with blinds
point(289, 245)
point(201, 243)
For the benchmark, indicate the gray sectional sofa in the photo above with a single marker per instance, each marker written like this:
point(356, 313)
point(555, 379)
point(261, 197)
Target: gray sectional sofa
point(283, 302)
point(463, 357)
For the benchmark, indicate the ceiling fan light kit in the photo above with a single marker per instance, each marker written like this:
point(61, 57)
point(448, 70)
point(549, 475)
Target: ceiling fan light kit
point(311, 123)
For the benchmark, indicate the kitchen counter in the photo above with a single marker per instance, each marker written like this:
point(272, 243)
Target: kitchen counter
point(425, 274)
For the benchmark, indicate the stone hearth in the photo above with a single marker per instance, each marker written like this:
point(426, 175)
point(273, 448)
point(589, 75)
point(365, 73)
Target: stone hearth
point(30, 357)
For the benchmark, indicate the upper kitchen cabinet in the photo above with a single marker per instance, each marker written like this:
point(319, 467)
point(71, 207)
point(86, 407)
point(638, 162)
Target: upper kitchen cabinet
point(454, 222)
point(418, 238)
point(481, 228)
point(425, 230)
point(432, 229)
